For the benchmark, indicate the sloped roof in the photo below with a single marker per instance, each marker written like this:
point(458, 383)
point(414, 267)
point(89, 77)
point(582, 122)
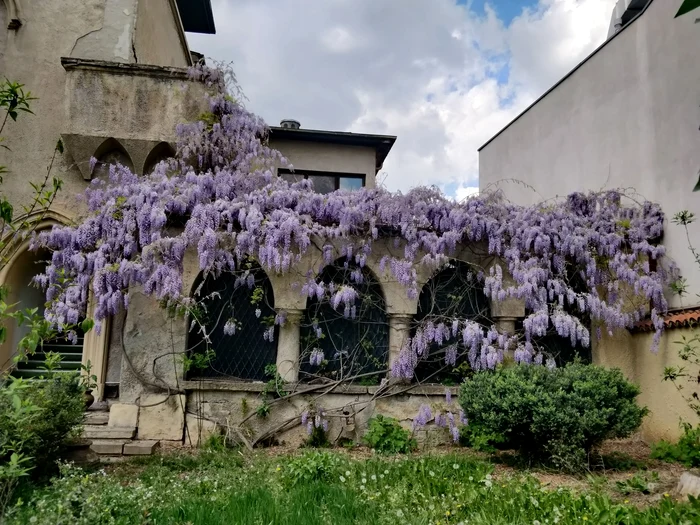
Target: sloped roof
point(677, 318)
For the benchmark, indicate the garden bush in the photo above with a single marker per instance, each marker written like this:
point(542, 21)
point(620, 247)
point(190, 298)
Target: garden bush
point(53, 410)
point(686, 451)
point(553, 416)
point(386, 435)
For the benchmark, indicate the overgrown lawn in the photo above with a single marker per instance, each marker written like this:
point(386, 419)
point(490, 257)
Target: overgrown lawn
point(323, 487)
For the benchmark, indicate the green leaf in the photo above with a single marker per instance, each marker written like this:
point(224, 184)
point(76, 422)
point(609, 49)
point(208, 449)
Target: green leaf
point(87, 325)
point(5, 210)
point(697, 184)
point(687, 6)
point(59, 146)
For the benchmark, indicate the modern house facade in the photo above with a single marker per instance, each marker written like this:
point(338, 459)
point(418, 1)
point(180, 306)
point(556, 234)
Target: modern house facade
point(628, 116)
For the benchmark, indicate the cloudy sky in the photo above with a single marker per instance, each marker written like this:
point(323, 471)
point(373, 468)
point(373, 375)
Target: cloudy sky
point(442, 75)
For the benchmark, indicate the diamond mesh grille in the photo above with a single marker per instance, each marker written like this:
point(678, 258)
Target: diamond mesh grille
point(454, 292)
point(245, 354)
point(351, 346)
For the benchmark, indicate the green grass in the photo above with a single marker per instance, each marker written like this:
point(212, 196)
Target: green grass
point(321, 488)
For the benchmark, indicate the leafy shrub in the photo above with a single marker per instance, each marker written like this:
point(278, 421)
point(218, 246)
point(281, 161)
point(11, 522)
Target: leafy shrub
point(386, 435)
point(686, 451)
point(313, 466)
point(476, 437)
point(55, 408)
point(555, 416)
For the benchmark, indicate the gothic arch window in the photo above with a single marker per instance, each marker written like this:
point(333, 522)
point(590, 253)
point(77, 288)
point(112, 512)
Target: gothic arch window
point(337, 346)
point(110, 152)
point(162, 151)
point(454, 292)
point(235, 323)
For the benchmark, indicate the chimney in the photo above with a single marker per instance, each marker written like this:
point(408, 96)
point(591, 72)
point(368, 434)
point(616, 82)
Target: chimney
point(289, 123)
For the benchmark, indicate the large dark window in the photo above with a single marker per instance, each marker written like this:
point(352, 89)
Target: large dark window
point(244, 300)
point(325, 181)
point(452, 293)
point(336, 346)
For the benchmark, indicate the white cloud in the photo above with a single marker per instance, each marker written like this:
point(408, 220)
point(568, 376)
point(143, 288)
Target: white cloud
point(464, 192)
point(422, 70)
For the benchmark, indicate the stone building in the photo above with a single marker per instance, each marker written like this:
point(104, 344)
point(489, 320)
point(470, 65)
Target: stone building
point(626, 117)
point(110, 81)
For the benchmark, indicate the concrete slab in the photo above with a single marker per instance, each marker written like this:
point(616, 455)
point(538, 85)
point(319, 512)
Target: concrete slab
point(140, 447)
point(107, 447)
point(123, 415)
point(107, 432)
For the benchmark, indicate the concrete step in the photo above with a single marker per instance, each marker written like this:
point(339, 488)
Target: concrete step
point(107, 432)
point(123, 447)
point(108, 447)
point(96, 417)
point(140, 447)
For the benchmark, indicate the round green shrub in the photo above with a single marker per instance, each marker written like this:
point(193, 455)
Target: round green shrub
point(556, 416)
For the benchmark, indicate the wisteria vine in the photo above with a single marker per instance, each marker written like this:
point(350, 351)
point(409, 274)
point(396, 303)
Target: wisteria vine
point(585, 255)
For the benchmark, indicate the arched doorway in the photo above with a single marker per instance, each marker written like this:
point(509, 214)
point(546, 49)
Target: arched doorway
point(22, 292)
point(454, 292)
point(235, 321)
point(337, 346)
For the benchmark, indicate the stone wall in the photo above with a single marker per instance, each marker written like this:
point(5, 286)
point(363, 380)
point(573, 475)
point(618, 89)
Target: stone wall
point(221, 406)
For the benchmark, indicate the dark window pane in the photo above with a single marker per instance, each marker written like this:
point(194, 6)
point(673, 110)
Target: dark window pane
point(322, 183)
point(350, 183)
point(292, 177)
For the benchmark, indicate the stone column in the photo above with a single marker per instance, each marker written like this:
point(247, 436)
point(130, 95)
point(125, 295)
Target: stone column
point(288, 346)
point(505, 325)
point(399, 331)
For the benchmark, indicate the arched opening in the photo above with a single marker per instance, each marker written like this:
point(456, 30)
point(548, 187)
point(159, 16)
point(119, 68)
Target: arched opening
point(22, 292)
point(339, 346)
point(162, 151)
point(454, 292)
point(4, 21)
point(110, 152)
point(233, 322)
point(558, 347)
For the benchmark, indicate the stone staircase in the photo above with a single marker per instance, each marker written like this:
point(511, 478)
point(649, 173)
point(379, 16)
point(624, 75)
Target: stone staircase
point(111, 433)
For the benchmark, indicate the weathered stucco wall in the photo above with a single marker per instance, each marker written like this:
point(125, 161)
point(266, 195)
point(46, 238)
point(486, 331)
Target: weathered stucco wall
point(224, 405)
point(627, 118)
point(330, 157)
point(631, 352)
point(159, 37)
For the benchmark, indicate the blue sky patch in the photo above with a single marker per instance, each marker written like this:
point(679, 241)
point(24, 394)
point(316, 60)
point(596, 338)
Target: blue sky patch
point(506, 10)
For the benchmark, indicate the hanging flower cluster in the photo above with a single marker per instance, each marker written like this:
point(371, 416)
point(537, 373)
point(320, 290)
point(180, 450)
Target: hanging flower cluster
point(445, 417)
point(585, 255)
point(312, 418)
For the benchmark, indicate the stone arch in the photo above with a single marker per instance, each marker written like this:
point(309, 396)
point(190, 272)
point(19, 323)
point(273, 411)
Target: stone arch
point(111, 151)
point(161, 151)
point(453, 291)
point(11, 14)
point(350, 345)
point(245, 300)
point(94, 345)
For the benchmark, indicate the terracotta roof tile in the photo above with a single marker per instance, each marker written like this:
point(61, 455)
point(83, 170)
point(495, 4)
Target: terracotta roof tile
point(677, 318)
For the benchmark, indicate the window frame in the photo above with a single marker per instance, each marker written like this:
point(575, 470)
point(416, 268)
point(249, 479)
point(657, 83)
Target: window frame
point(337, 175)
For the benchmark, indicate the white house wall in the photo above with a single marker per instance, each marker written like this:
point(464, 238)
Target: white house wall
point(628, 117)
